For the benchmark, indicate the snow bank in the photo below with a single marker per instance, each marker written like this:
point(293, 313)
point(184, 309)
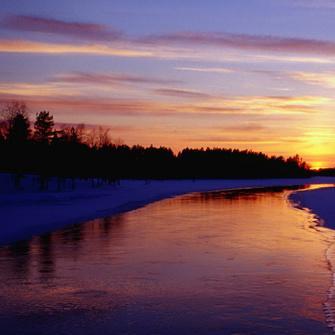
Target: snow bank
point(29, 212)
point(320, 201)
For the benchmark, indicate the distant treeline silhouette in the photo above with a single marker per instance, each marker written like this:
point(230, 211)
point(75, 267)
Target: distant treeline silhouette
point(77, 152)
point(327, 172)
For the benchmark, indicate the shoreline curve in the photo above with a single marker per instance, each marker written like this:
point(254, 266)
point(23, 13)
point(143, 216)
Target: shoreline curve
point(25, 214)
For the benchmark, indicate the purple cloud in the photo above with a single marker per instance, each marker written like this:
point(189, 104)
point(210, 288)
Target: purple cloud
point(182, 93)
point(86, 31)
point(98, 32)
point(246, 42)
point(111, 78)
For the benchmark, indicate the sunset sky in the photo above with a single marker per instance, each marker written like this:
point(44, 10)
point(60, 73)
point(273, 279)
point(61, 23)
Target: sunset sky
point(247, 74)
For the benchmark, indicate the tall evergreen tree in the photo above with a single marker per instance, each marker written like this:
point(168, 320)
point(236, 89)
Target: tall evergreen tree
point(43, 127)
point(18, 124)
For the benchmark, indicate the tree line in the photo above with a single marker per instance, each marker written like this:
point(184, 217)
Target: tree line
point(42, 149)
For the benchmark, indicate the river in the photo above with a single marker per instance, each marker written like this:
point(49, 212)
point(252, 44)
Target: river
point(233, 262)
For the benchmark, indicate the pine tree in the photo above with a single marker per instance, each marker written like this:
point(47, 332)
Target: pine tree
point(43, 127)
point(18, 124)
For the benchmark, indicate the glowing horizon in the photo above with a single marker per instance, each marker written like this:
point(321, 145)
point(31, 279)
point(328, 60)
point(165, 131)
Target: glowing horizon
point(178, 74)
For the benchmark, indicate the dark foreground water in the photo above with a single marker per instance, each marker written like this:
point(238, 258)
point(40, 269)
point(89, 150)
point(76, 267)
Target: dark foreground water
point(215, 263)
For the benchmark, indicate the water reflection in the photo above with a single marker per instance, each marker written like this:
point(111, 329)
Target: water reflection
point(46, 264)
point(19, 254)
point(240, 262)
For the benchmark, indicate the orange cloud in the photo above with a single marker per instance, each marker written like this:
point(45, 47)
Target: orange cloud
point(67, 97)
point(324, 79)
point(28, 90)
point(22, 46)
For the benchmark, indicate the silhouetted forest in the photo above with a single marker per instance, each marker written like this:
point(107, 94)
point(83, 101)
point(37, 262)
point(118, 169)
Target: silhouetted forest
point(330, 172)
point(77, 152)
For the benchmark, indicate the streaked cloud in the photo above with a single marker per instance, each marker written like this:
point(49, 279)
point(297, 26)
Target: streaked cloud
point(101, 40)
point(22, 46)
point(324, 79)
point(247, 42)
point(267, 105)
point(24, 90)
point(59, 97)
point(119, 49)
point(246, 127)
point(116, 107)
point(205, 69)
point(109, 79)
point(246, 134)
point(179, 93)
point(81, 30)
point(233, 140)
point(271, 58)
point(135, 50)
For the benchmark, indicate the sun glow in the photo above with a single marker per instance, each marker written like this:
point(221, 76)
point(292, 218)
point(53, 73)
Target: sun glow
point(318, 165)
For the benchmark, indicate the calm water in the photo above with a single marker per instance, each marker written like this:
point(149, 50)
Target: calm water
point(215, 263)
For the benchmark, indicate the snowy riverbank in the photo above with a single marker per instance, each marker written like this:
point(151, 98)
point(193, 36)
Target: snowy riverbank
point(320, 201)
point(29, 212)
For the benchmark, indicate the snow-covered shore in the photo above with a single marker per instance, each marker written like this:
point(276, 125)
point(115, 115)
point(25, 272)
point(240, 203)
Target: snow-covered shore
point(320, 201)
point(29, 212)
